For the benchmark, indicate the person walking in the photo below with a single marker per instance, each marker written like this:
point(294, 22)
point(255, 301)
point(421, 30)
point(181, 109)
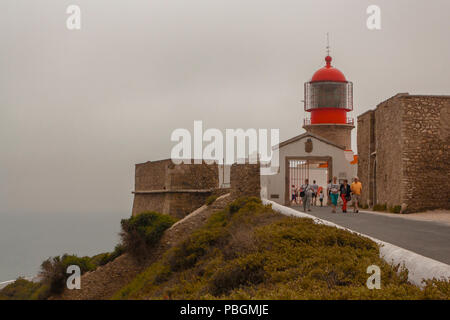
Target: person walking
point(334, 193)
point(356, 188)
point(306, 195)
point(294, 194)
point(299, 198)
point(321, 198)
point(315, 193)
point(345, 194)
point(328, 192)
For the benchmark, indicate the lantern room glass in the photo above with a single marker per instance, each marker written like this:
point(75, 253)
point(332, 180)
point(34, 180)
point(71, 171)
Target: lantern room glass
point(328, 94)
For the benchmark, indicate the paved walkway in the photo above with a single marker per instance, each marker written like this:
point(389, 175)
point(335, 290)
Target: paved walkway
point(430, 239)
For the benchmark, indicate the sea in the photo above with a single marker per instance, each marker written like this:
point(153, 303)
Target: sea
point(28, 239)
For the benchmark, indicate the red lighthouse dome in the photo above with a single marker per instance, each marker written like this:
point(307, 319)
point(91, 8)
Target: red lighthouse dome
point(328, 73)
point(328, 96)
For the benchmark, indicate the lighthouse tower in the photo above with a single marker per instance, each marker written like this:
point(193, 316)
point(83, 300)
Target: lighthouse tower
point(328, 99)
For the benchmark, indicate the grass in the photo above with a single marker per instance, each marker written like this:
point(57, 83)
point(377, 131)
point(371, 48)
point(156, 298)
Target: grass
point(248, 251)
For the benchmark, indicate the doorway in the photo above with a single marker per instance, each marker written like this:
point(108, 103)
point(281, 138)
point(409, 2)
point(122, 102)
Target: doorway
point(298, 169)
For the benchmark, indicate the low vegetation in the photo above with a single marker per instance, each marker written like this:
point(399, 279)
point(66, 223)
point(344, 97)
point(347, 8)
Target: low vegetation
point(384, 208)
point(380, 207)
point(103, 258)
point(395, 209)
point(210, 200)
point(53, 275)
point(248, 251)
point(22, 289)
point(141, 232)
point(138, 235)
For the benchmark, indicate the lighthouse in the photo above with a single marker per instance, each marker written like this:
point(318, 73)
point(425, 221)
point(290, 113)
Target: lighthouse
point(324, 150)
point(328, 100)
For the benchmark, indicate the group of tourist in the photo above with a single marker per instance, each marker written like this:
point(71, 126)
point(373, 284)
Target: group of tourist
point(308, 194)
point(346, 192)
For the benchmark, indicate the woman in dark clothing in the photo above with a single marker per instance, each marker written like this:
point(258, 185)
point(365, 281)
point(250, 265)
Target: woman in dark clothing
point(346, 195)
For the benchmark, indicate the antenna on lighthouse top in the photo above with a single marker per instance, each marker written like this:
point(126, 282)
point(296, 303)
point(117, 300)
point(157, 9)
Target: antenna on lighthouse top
point(328, 44)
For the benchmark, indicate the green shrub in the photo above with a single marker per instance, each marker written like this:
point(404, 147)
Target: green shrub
point(141, 232)
point(380, 207)
point(240, 203)
point(54, 270)
point(104, 258)
point(42, 293)
point(54, 275)
point(21, 289)
point(119, 249)
point(189, 251)
point(212, 234)
point(286, 258)
point(395, 209)
point(245, 271)
point(210, 200)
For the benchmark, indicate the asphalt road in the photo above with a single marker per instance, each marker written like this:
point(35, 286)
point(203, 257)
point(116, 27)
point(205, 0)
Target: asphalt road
point(430, 239)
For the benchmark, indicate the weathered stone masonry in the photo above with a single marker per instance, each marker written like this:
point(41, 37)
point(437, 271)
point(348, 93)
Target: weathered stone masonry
point(178, 190)
point(404, 152)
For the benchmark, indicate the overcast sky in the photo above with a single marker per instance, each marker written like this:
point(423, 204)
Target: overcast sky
point(79, 108)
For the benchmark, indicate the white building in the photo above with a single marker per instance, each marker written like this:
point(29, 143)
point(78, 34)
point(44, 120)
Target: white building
point(307, 156)
point(324, 151)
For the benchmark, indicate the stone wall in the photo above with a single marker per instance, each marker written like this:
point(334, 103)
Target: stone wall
point(366, 147)
point(388, 158)
point(338, 134)
point(180, 189)
point(149, 202)
point(164, 174)
point(173, 189)
point(245, 180)
point(151, 175)
point(426, 152)
point(412, 144)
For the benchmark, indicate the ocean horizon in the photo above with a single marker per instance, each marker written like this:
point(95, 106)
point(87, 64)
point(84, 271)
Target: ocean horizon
point(28, 239)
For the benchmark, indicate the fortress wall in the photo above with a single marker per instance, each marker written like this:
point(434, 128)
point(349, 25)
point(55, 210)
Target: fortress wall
point(164, 187)
point(164, 174)
point(366, 146)
point(148, 202)
point(388, 121)
point(245, 180)
point(178, 190)
point(193, 176)
point(181, 204)
point(426, 152)
point(412, 145)
point(151, 175)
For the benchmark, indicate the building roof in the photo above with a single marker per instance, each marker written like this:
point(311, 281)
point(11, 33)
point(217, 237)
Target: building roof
point(403, 95)
point(328, 73)
point(304, 135)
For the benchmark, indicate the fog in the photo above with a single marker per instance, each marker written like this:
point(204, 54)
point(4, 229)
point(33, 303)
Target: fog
point(79, 108)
